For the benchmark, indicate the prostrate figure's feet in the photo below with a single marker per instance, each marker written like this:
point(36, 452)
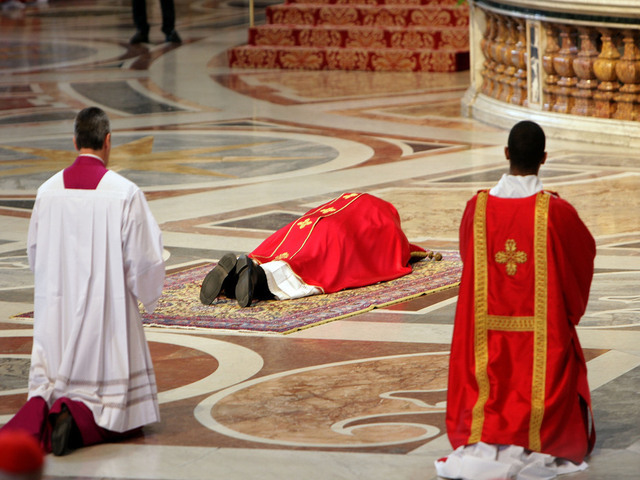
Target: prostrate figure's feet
point(247, 272)
point(222, 278)
point(252, 282)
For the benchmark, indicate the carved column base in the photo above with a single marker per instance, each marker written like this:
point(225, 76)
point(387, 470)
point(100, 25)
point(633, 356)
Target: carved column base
point(498, 75)
point(564, 100)
point(519, 96)
point(550, 97)
point(605, 105)
point(583, 103)
point(506, 90)
point(627, 107)
point(487, 84)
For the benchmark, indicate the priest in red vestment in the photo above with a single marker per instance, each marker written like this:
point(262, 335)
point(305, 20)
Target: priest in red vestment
point(518, 378)
point(351, 241)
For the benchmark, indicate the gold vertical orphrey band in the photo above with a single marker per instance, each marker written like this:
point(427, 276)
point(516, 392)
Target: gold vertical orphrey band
point(538, 385)
point(485, 322)
point(481, 311)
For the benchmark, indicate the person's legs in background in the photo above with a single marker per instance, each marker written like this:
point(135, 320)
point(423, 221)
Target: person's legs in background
point(169, 21)
point(139, 9)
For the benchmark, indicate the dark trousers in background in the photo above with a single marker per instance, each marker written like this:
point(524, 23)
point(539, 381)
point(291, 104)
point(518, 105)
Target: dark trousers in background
point(140, 16)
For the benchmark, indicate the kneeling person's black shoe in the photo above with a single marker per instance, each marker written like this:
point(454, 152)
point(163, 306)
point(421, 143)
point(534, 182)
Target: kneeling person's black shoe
point(222, 278)
point(65, 437)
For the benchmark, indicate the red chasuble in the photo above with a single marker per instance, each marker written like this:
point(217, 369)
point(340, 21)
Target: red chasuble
point(351, 241)
point(517, 372)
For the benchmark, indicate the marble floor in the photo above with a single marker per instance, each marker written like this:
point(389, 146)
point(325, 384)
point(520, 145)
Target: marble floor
point(217, 152)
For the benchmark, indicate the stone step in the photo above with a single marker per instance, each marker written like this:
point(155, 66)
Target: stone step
point(368, 15)
point(317, 58)
point(432, 38)
point(434, 3)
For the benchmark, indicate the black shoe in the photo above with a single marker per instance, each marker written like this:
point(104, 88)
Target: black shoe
point(173, 37)
point(65, 437)
point(139, 37)
point(222, 278)
point(247, 272)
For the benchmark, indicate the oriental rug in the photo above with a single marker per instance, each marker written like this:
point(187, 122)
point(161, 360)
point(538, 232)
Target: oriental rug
point(180, 305)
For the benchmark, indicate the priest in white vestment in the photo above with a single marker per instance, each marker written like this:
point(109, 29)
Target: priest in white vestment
point(95, 250)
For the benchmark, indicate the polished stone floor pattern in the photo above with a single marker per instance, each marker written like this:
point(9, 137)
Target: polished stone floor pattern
point(225, 157)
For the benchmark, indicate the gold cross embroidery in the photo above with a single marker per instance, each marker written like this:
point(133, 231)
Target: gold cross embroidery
point(282, 255)
point(328, 210)
point(511, 256)
point(304, 223)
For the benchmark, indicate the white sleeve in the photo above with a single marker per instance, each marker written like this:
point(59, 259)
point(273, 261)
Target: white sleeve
point(142, 249)
point(32, 235)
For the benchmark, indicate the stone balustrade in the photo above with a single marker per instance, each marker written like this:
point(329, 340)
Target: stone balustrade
point(570, 72)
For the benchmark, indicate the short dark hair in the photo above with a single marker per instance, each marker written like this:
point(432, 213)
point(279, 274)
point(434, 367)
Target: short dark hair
point(526, 146)
point(91, 128)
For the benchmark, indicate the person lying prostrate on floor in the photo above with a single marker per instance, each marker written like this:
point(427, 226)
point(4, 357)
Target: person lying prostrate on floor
point(95, 250)
point(518, 401)
point(351, 241)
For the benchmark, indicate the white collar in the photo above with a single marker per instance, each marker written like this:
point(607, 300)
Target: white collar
point(517, 186)
point(91, 155)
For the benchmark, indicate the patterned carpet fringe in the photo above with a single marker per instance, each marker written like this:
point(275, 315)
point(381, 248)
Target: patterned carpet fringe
point(375, 35)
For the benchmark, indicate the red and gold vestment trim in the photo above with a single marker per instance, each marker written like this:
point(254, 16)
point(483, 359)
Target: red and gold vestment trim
point(485, 322)
point(300, 231)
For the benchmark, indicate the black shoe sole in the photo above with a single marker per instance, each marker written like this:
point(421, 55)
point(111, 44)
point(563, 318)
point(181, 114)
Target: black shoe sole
point(214, 282)
point(247, 278)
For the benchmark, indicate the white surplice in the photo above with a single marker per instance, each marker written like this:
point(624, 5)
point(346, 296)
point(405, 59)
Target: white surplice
point(284, 284)
point(94, 254)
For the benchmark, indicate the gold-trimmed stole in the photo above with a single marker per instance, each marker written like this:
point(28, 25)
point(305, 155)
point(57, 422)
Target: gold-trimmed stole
point(485, 322)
